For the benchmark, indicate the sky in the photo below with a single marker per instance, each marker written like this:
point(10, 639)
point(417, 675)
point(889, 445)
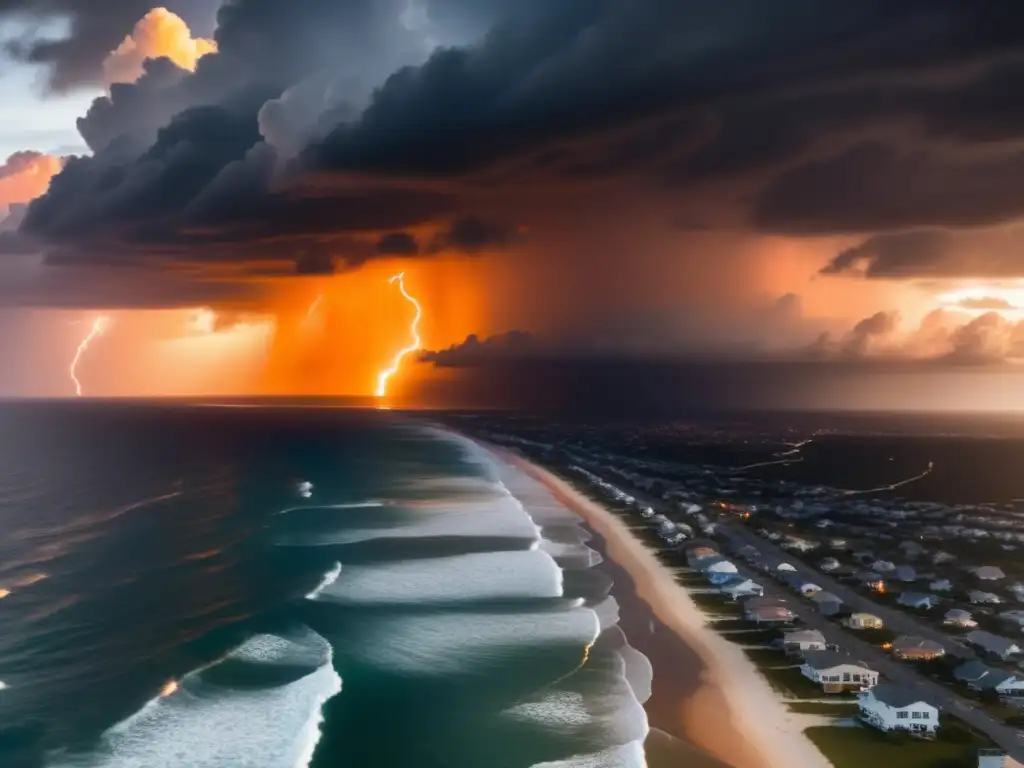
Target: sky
point(824, 206)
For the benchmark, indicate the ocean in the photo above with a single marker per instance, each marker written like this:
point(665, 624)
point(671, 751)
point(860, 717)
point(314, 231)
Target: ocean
point(172, 597)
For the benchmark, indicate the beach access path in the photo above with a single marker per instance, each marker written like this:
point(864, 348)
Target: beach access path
point(1009, 738)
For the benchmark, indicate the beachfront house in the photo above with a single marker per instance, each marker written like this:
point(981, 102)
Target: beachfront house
point(913, 648)
point(1014, 616)
point(741, 587)
point(801, 640)
point(905, 573)
point(837, 672)
point(721, 573)
point(749, 553)
point(799, 544)
point(891, 707)
point(864, 621)
point(827, 603)
point(1003, 647)
point(957, 617)
point(808, 588)
point(828, 564)
point(767, 610)
point(941, 585)
point(984, 598)
point(911, 548)
point(989, 573)
point(981, 677)
point(917, 600)
point(871, 580)
point(696, 555)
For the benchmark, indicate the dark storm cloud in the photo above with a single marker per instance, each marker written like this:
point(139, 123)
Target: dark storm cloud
point(474, 351)
point(472, 234)
point(933, 254)
point(875, 186)
point(351, 132)
point(398, 244)
point(95, 29)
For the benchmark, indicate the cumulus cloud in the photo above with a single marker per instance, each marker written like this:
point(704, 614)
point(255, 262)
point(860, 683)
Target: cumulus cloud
point(94, 29)
point(160, 33)
point(25, 176)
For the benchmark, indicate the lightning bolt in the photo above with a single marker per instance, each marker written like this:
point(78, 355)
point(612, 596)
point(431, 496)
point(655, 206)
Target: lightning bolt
point(313, 308)
point(99, 327)
point(385, 375)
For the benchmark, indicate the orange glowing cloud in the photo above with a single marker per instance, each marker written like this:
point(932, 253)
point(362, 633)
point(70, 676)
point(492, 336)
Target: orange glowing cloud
point(158, 33)
point(25, 176)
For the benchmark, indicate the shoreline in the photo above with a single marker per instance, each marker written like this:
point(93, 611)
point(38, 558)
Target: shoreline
point(733, 713)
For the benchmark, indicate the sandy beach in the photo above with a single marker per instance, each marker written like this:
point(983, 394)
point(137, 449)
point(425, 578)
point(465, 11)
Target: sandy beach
point(729, 710)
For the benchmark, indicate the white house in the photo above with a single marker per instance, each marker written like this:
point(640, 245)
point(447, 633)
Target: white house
point(829, 564)
point(809, 588)
point(785, 567)
point(957, 617)
point(883, 566)
point(942, 557)
point(799, 544)
point(741, 587)
point(767, 610)
point(941, 585)
point(982, 677)
point(917, 600)
point(1003, 647)
point(891, 707)
point(989, 573)
point(984, 598)
point(827, 603)
point(802, 640)
point(837, 672)
point(864, 621)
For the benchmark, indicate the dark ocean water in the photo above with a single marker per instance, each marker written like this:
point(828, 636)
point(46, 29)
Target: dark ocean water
point(410, 612)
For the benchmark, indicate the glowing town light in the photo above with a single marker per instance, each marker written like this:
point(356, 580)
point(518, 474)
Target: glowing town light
point(169, 689)
point(99, 327)
point(385, 375)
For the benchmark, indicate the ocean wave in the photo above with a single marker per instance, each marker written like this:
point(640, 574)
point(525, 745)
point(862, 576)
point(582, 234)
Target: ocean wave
point(481, 576)
point(206, 724)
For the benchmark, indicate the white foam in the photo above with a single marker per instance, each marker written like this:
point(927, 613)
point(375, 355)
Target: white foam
point(329, 578)
point(499, 516)
point(207, 726)
point(484, 576)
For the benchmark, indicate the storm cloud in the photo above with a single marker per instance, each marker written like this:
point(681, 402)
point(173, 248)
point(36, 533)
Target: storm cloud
point(339, 128)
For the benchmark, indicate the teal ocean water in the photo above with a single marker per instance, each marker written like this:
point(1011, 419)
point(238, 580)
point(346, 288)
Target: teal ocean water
point(264, 587)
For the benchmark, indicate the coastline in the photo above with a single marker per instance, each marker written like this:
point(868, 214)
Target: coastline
point(730, 710)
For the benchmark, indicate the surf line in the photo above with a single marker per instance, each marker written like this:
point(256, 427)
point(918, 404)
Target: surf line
point(894, 486)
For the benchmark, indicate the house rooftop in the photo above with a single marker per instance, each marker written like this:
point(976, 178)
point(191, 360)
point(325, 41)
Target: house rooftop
point(825, 597)
point(894, 695)
point(991, 642)
point(913, 641)
point(828, 659)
